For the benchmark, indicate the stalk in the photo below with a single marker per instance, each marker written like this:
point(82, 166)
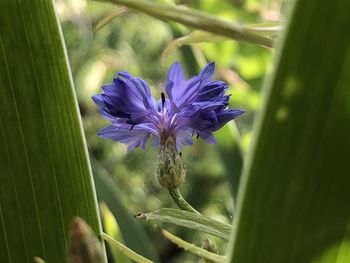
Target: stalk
point(180, 200)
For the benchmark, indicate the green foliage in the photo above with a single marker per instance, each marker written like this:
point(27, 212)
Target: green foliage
point(193, 248)
point(293, 204)
point(293, 198)
point(197, 19)
point(133, 42)
point(111, 228)
point(133, 234)
point(42, 146)
point(125, 250)
point(45, 173)
point(189, 220)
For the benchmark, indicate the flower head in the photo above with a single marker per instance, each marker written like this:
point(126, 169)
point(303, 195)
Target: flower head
point(195, 106)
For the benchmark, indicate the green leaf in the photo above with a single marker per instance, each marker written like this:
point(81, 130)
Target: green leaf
point(38, 260)
point(111, 228)
point(269, 29)
point(45, 173)
point(189, 220)
point(196, 19)
point(193, 248)
point(293, 203)
point(194, 37)
point(133, 234)
point(127, 251)
point(199, 36)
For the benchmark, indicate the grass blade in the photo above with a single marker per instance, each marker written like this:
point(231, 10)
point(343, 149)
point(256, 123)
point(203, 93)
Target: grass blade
point(45, 174)
point(293, 203)
point(111, 228)
point(124, 249)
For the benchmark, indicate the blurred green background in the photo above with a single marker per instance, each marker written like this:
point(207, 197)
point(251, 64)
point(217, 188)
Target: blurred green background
point(134, 42)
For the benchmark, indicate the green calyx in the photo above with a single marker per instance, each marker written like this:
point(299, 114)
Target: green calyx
point(170, 169)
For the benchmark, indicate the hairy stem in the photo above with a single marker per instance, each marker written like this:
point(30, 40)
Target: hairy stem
point(180, 201)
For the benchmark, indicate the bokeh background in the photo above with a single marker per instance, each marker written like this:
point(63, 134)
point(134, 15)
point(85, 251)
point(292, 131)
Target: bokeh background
point(103, 39)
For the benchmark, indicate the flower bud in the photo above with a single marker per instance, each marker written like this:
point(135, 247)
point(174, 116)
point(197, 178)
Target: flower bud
point(170, 169)
point(211, 247)
point(84, 245)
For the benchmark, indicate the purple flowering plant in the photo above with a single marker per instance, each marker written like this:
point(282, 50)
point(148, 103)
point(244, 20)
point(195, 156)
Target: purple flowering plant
point(193, 107)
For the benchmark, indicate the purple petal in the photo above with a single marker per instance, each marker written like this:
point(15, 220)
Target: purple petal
point(227, 115)
point(203, 120)
point(176, 80)
point(140, 89)
point(105, 112)
point(188, 93)
point(99, 100)
point(208, 137)
point(184, 137)
point(130, 99)
point(125, 75)
point(136, 137)
point(212, 91)
point(180, 90)
point(207, 73)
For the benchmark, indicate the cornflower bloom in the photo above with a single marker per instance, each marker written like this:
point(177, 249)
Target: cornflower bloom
point(196, 106)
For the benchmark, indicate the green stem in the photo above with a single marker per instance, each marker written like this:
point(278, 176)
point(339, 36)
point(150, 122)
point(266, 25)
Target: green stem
point(196, 19)
point(180, 201)
point(125, 250)
point(193, 248)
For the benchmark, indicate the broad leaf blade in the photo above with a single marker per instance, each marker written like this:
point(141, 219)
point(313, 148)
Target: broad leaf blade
point(45, 174)
point(293, 205)
point(188, 220)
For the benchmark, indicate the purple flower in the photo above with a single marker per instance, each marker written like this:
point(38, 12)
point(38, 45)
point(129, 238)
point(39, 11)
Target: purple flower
point(196, 106)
